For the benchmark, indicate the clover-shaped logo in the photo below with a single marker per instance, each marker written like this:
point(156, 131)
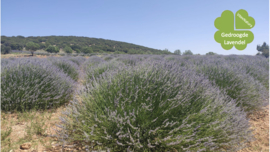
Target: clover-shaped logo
point(227, 36)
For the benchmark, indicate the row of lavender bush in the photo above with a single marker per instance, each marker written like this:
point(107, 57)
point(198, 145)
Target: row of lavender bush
point(158, 103)
point(32, 83)
point(243, 78)
point(67, 66)
point(28, 83)
point(143, 102)
point(236, 78)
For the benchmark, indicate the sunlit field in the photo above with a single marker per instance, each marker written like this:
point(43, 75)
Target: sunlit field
point(135, 103)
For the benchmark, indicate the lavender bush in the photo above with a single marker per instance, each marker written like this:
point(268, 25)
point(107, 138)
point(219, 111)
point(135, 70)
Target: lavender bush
point(156, 57)
point(93, 72)
point(67, 66)
point(92, 61)
point(257, 67)
point(236, 81)
point(6, 61)
point(130, 60)
point(154, 106)
point(78, 60)
point(171, 57)
point(33, 83)
point(108, 57)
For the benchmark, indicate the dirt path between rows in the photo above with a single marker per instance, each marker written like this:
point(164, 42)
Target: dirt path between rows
point(260, 123)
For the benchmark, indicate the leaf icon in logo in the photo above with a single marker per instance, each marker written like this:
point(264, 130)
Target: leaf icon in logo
point(243, 21)
point(226, 21)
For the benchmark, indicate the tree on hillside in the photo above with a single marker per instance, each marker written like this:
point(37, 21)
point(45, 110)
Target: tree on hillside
point(7, 44)
point(77, 51)
point(166, 51)
point(21, 37)
point(32, 47)
point(75, 47)
point(52, 49)
point(16, 46)
point(133, 51)
point(187, 52)
point(210, 53)
point(5, 49)
point(118, 52)
point(68, 49)
point(47, 43)
point(177, 52)
point(263, 50)
point(42, 46)
point(57, 49)
point(87, 50)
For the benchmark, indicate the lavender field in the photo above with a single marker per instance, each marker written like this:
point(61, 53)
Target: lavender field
point(142, 102)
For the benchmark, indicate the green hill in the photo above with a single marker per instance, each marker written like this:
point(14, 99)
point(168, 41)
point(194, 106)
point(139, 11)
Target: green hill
point(78, 44)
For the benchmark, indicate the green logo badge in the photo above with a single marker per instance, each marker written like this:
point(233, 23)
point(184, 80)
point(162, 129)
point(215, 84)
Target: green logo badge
point(227, 36)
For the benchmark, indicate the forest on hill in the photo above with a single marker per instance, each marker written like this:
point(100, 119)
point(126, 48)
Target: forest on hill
point(74, 44)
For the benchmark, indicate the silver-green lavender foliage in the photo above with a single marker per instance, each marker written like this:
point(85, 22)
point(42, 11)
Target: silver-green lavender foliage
point(79, 60)
point(94, 72)
point(131, 60)
point(171, 57)
point(28, 83)
point(154, 106)
point(257, 67)
point(67, 66)
point(108, 57)
point(6, 61)
point(237, 79)
point(91, 62)
point(156, 57)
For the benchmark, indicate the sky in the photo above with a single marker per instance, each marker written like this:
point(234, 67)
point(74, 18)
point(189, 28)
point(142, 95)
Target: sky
point(159, 24)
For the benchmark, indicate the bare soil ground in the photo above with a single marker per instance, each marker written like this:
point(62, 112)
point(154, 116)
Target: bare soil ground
point(33, 127)
point(260, 123)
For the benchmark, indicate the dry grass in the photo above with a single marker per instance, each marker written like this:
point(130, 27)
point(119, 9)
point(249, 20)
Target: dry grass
point(25, 55)
point(14, 55)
